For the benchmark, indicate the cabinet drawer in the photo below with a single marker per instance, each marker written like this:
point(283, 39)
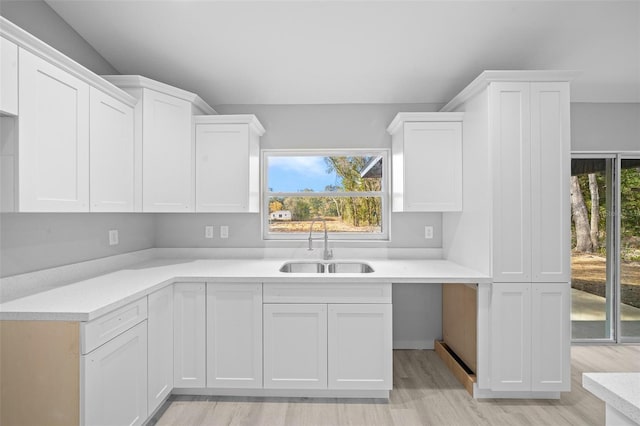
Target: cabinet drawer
point(327, 293)
point(101, 330)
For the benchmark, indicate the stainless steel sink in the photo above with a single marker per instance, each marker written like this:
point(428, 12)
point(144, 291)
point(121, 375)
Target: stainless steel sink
point(326, 267)
point(349, 268)
point(303, 267)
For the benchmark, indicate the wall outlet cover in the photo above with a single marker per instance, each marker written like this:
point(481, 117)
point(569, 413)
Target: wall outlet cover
point(428, 232)
point(224, 231)
point(113, 237)
point(208, 231)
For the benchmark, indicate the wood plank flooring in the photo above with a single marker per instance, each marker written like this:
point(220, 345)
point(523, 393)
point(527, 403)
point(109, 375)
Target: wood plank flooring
point(425, 393)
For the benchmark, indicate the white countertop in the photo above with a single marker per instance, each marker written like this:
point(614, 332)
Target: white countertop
point(618, 390)
point(88, 299)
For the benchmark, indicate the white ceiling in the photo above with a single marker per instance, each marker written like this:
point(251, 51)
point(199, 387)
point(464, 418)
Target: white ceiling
point(307, 52)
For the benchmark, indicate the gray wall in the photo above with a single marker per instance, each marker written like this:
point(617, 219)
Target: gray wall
point(299, 127)
point(34, 241)
point(37, 18)
point(605, 127)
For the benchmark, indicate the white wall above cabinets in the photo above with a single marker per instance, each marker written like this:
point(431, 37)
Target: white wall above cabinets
point(66, 151)
point(228, 163)
point(426, 162)
point(164, 135)
point(8, 77)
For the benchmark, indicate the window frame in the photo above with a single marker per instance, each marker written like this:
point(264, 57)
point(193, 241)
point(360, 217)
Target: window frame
point(265, 194)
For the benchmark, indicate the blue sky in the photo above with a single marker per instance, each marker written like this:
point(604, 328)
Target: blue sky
point(293, 174)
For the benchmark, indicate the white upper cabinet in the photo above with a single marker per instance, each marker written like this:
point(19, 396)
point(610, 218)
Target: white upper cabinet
point(8, 77)
point(70, 148)
point(426, 162)
point(530, 133)
point(112, 154)
point(164, 133)
point(167, 153)
point(227, 163)
point(53, 170)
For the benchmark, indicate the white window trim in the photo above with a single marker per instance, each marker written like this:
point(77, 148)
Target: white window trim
point(318, 232)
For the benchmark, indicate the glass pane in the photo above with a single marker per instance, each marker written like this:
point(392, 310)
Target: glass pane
point(320, 173)
point(591, 283)
point(342, 214)
point(630, 249)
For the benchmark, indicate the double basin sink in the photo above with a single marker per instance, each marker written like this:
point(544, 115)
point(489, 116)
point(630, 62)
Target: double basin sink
point(322, 267)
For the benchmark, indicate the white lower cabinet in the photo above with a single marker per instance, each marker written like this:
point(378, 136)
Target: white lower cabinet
point(328, 346)
point(530, 337)
point(115, 380)
point(189, 335)
point(360, 346)
point(295, 346)
point(160, 346)
point(234, 335)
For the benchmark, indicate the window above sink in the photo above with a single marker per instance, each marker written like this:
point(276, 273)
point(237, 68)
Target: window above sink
point(346, 188)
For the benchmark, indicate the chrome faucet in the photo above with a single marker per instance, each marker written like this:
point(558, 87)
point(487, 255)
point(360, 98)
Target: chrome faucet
point(326, 254)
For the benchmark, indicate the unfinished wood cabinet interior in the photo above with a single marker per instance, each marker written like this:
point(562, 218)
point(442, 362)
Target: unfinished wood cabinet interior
point(458, 347)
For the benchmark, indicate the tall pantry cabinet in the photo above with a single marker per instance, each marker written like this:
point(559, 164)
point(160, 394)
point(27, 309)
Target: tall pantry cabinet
point(519, 123)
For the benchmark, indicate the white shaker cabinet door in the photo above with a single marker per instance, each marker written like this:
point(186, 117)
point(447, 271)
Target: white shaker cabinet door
point(189, 335)
point(54, 138)
point(360, 346)
point(8, 77)
point(511, 164)
point(295, 346)
point(160, 340)
point(115, 380)
point(112, 154)
point(511, 337)
point(222, 167)
point(234, 335)
point(551, 337)
point(168, 153)
point(432, 168)
point(550, 174)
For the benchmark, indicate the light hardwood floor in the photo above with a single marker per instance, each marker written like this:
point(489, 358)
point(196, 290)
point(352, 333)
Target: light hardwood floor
point(425, 393)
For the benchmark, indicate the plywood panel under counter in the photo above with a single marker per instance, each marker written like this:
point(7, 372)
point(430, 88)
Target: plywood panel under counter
point(459, 322)
point(39, 373)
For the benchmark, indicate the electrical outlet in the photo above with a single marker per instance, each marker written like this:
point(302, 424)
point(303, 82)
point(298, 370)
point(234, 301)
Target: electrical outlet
point(208, 231)
point(224, 231)
point(428, 232)
point(113, 237)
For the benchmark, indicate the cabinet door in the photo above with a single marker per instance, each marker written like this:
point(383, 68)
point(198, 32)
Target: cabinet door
point(8, 77)
point(511, 164)
point(112, 154)
point(160, 340)
point(115, 380)
point(234, 335)
point(360, 346)
point(295, 346)
point(432, 164)
point(54, 138)
point(511, 337)
point(550, 173)
point(168, 178)
point(222, 157)
point(189, 335)
point(551, 338)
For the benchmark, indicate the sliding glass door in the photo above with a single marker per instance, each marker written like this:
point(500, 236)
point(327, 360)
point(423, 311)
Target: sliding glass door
point(605, 257)
point(592, 278)
point(629, 249)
